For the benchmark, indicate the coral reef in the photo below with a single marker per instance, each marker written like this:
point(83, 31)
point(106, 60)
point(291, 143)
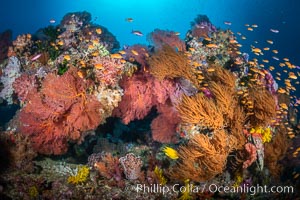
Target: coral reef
point(25, 86)
point(110, 167)
point(96, 120)
point(59, 113)
point(80, 177)
point(137, 54)
point(164, 126)
point(194, 110)
point(203, 158)
point(132, 166)
point(163, 37)
point(167, 63)
point(10, 73)
point(141, 92)
point(264, 107)
point(107, 70)
point(275, 151)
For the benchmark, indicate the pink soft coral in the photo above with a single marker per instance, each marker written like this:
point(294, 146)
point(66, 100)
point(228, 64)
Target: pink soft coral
point(24, 86)
point(107, 70)
point(62, 111)
point(252, 155)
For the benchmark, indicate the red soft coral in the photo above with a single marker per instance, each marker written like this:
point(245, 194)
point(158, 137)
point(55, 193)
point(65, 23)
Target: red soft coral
point(164, 126)
point(62, 111)
point(141, 92)
point(137, 100)
point(170, 38)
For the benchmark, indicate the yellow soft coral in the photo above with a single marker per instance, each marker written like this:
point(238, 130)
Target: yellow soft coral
point(159, 174)
point(238, 180)
point(186, 193)
point(266, 134)
point(33, 192)
point(81, 176)
point(171, 153)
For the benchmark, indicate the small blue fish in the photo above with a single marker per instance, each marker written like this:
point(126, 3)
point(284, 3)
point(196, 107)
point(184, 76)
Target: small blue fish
point(52, 21)
point(227, 23)
point(274, 30)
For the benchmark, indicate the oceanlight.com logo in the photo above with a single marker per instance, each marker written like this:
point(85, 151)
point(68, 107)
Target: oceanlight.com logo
point(252, 190)
point(213, 188)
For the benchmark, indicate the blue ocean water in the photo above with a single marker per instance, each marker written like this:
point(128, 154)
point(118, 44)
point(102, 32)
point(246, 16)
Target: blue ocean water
point(28, 16)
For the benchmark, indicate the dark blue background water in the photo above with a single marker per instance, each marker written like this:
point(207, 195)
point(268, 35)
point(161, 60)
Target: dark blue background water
point(28, 16)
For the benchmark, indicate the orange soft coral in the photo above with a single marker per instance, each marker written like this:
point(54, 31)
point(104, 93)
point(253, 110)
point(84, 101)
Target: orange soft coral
point(202, 158)
point(167, 63)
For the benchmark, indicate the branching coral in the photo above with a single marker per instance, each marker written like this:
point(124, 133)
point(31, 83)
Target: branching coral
point(59, 113)
point(164, 37)
point(200, 110)
point(137, 100)
point(167, 63)
point(203, 158)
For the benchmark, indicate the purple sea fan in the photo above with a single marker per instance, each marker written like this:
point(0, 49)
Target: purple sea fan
point(132, 166)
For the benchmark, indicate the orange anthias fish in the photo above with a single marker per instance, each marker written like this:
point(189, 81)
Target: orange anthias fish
point(134, 52)
point(116, 55)
point(98, 31)
point(98, 66)
point(212, 46)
